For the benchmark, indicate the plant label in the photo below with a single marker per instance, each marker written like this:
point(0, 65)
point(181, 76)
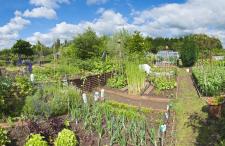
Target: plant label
point(102, 93)
point(32, 77)
point(96, 96)
point(84, 96)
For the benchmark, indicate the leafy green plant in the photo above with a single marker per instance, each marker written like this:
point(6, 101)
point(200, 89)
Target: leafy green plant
point(163, 83)
point(66, 138)
point(118, 81)
point(12, 94)
point(3, 137)
point(23, 86)
point(49, 101)
point(210, 79)
point(36, 140)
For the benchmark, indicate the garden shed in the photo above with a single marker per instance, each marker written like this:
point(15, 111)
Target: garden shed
point(167, 57)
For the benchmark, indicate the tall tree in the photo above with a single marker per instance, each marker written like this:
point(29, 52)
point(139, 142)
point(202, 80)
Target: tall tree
point(136, 43)
point(87, 44)
point(189, 53)
point(22, 47)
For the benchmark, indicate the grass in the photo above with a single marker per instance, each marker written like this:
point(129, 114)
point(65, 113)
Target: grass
point(186, 105)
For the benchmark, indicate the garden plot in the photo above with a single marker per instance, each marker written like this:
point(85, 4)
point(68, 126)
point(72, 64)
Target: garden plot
point(160, 83)
point(53, 108)
point(210, 83)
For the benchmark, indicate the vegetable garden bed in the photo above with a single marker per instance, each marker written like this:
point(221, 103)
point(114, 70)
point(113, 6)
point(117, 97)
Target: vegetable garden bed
point(88, 136)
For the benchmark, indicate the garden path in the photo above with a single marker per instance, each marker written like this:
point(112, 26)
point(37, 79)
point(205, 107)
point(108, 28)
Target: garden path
point(186, 106)
point(155, 103)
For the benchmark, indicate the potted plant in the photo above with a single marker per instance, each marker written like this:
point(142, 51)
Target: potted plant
point(215, 105)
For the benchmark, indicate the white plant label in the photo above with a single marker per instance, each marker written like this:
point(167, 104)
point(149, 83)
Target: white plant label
point(102, 93)
point(96, 96)
point(84, 96)
point(167, 107)
point(32, 77)
point(166, 116)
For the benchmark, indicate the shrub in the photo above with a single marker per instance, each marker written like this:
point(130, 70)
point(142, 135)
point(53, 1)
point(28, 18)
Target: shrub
point(66, 138)
point(12, 93)
point(36, 140)
point(3, 137)
point(49, 101)
point(189, 53)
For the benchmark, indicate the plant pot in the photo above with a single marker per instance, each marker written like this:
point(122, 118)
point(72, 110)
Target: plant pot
point(215, 109)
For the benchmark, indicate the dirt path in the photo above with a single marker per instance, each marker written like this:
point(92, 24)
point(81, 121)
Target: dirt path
point(186, 105)
point(158, 104)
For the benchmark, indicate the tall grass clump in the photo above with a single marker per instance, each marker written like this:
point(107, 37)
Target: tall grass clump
point(135, 78)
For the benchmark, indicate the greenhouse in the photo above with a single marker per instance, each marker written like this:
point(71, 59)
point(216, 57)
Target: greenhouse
point(166, 57)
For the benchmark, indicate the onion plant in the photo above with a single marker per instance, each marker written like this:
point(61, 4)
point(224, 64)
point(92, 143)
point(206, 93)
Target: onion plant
point(135, 78)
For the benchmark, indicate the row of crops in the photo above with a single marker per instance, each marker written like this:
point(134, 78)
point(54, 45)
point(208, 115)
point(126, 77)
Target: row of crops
point(210, 79)
point(109, 122)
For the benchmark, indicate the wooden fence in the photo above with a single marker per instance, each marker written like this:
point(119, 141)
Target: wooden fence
point(90, 82)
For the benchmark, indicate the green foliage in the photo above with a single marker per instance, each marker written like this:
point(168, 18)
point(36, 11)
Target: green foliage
point(118, 81)
point(136, 43)
point(117, 44)
point(87, 45)
point(49, 101)
point(55, 72)
point(124, 123)
point(23, 86)
point(5, 87)
point(135, 78)
point(164, 83)
point(210, 79)
point(66, 138)
point(36, 140)
point(69, 52)
point(3, 137)
point(189, 53)
point(22, 47)
point(12, 93)
point(41, 50)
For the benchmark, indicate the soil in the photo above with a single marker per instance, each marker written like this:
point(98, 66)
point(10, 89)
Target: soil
point(164, 93)
point(152, 102)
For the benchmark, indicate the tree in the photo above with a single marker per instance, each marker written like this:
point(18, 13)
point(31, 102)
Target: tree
point(148, 43)
point(22, 47)
point(87, 44)
point(189, 53)
point(117, 44)
point(136, 43)
point(57, 45)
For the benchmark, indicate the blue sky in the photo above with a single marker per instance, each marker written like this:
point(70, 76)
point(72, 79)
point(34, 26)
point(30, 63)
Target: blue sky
point(46, 20)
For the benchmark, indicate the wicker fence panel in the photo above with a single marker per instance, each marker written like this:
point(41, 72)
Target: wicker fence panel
point(91, 82)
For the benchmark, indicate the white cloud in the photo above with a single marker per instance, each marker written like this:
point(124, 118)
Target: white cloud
point(92, 2)
point(41, 12)
point(44, 9)
point(108, 23)
point(48, 3)
point(10, 31)
point(193, 16)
